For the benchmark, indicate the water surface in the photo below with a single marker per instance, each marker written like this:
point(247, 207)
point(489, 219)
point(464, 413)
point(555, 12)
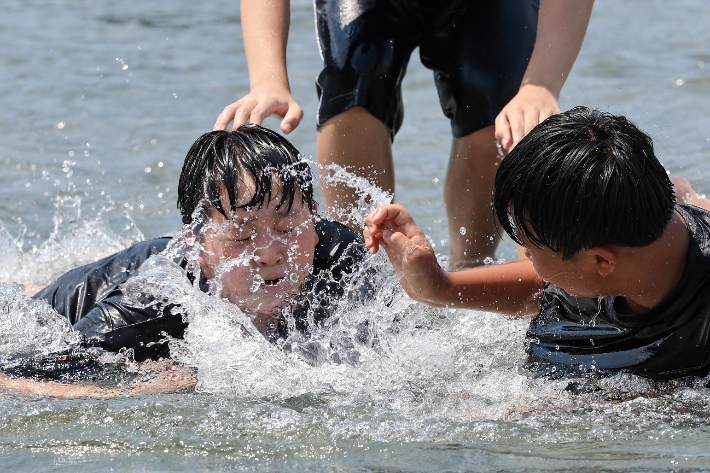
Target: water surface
point(100, 102)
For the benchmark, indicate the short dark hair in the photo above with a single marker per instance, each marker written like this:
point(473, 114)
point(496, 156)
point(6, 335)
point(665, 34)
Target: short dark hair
point(583, 178)
point(217, 159)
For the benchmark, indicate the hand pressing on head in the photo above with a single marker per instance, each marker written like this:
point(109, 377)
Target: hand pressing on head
point(531, 106)
point(392, 228)
point(259, 104)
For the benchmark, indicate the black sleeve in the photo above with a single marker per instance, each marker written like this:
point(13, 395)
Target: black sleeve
point(77, 292)
point(91, 298)
point(116, 323)
point(338, 257)
point(339, 251)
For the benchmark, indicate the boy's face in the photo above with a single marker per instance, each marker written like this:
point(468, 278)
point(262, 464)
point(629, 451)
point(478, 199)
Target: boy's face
point(263, 256)
point(577, 275)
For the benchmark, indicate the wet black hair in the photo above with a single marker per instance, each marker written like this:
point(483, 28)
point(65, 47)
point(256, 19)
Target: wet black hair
point(583, 178)
point(216, 161)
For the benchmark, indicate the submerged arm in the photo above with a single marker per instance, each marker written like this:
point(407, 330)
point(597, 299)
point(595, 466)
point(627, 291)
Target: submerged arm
point(171, 378)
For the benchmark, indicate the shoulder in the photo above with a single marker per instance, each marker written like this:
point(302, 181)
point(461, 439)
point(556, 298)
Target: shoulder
point(698, 222)
point(337, 245)
point(77, 292)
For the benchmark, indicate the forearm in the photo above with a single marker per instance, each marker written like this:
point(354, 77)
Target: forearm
point(512, 289)
point(175, 379)
point(560, 32)
point(25, 387)
point(265, 25)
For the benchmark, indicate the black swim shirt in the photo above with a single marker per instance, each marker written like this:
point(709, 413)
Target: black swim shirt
point(91, 296)
point(672, 340)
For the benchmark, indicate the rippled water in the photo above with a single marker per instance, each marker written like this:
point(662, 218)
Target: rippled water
point(100, 102)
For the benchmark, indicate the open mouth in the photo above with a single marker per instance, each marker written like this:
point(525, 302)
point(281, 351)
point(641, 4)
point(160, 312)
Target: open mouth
point(272, 282)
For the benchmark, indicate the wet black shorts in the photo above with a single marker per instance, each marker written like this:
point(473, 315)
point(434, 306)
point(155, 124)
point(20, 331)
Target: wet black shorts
point(478, 50)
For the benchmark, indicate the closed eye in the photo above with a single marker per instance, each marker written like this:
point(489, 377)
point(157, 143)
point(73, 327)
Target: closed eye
point(243, 240)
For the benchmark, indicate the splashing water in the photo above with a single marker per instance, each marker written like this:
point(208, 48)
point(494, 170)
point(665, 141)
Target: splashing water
point(369, 197)
point(31, 328)
point(73, 242)
point(386, 350)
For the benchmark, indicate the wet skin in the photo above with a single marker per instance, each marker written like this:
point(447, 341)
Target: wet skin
point(577, 275)
point(259, 258)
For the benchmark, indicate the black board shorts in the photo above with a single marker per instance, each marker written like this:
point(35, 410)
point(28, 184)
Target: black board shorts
point(477, 49)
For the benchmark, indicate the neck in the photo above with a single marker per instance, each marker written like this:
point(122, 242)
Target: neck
point(653, 271)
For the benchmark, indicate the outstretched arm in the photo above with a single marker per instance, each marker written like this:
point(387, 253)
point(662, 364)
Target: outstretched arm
point(506, 288)
point(265, 26)
point(560, 31)
point(165, 377)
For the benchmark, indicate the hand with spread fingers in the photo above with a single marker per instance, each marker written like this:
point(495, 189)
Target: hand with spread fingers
point(259, 104)
point(560, 31)
point(532, 105)
point(392, 228)
point(265, 26)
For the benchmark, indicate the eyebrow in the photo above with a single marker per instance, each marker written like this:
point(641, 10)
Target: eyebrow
point(238, 221)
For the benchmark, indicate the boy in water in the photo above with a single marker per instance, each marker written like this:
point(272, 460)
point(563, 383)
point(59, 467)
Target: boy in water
point(246, 199)
point(617, 275)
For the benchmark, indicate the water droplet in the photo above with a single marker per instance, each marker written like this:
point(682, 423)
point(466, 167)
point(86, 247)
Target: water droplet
point(462, 230)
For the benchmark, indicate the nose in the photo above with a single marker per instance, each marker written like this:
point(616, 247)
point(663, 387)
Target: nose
point(268, 251)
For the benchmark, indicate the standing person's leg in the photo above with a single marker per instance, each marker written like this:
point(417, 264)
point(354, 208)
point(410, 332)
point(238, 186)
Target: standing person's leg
point(365, 49)
point(479, 56)
point(468, 194)
point(360, 142)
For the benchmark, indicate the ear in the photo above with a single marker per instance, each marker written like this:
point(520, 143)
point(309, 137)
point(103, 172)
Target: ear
point(605, 260)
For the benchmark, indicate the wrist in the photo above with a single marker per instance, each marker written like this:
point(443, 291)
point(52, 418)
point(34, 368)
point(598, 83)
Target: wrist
point(541, 86)
point(269, 84)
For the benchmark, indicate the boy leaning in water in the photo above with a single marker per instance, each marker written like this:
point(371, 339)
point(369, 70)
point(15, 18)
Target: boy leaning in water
point(254, 238)
point(617, 275)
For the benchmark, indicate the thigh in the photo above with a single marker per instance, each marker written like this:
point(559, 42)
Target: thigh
point(479, 51)
point(365, 45)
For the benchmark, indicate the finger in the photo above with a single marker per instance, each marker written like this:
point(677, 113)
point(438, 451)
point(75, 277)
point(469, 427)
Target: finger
point(260, 113)
point(503, 133)
point(394, 250)
point(372, 243)
point(394, 214)
point(292, 119)
point(242, 114)
point(225, 117)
